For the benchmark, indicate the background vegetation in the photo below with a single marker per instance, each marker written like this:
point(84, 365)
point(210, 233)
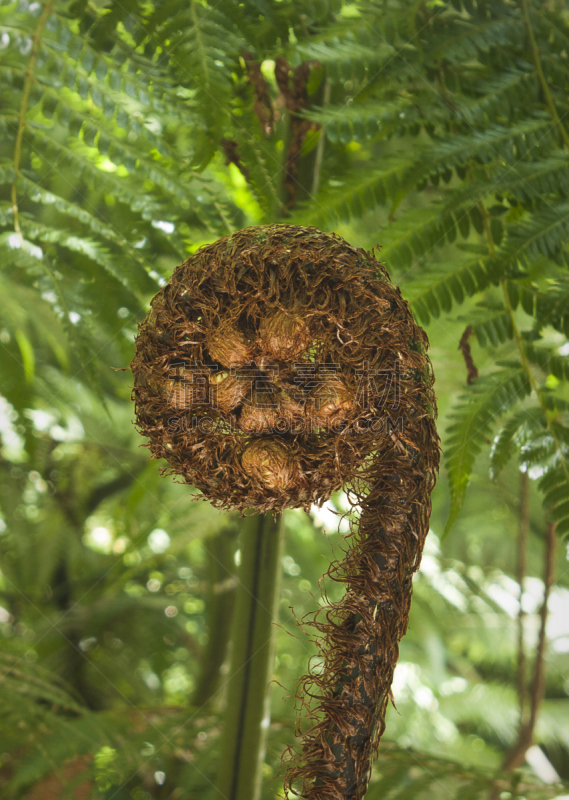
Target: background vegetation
point(131, 133)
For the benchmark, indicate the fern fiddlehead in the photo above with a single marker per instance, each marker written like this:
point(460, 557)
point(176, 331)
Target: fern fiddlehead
point(278, 365)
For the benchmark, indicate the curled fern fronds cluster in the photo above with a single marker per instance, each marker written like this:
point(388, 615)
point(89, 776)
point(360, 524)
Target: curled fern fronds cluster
point(276, 366)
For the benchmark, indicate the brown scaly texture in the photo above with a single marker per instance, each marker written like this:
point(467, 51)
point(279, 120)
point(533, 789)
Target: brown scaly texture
point(311, 376)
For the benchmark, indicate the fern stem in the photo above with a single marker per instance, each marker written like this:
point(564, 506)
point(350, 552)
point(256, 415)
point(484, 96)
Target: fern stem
point(246, 717)
point(523, 530)
point(542, 80)
point(538, 685)
point(520, 345)
point(487, 231)
point(220, 552)
point(201, 48)
point(36, 39)
point(516, 756)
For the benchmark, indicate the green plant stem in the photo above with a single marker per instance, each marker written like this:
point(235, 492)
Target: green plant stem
point(36, 39)
point(516, 756)
point(523, 531)
point(541, 76)
point(220, 553)
point(248, 691)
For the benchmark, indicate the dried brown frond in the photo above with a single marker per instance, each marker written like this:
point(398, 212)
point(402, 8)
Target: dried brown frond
point(464, 346)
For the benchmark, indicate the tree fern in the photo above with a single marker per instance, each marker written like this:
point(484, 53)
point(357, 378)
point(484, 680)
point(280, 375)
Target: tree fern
point(433, 129)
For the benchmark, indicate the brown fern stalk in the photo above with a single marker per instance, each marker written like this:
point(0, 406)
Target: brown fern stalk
point(361, 633)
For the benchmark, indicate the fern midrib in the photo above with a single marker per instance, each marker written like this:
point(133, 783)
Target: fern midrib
point(542, 80)
point(24, 107)
point(22, 122)
point(201, 48)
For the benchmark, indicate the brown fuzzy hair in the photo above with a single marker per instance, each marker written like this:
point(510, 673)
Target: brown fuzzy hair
point(330, 387)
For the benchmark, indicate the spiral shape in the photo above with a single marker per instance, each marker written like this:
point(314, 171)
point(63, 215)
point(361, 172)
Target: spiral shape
point(278, 365)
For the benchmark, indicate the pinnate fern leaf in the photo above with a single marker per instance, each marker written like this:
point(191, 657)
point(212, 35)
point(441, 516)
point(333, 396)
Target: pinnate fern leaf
point(472, 422)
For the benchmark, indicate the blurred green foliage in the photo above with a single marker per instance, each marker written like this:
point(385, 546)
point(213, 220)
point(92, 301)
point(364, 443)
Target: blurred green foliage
point(132, 132)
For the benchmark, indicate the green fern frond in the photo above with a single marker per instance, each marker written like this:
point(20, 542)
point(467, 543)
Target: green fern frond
point(549, 362)
point(518, 435)
point(532, 183)
point(495, 143)
point(542, 236)
point(440, 290)
point(65, 158)
point(355, 195)
point(261, 160)
point(347, 58)
point(96, 252)
point(458, 39)
point(206, 46)
point(133, 271)
point(360, 121)
point(73, 309)
point(415, 234)
point(472, 421)
point(88, 130)
point(495, 329)
point(555, 487)
point(497, 97)
point(552, 306)
point(512, 436)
